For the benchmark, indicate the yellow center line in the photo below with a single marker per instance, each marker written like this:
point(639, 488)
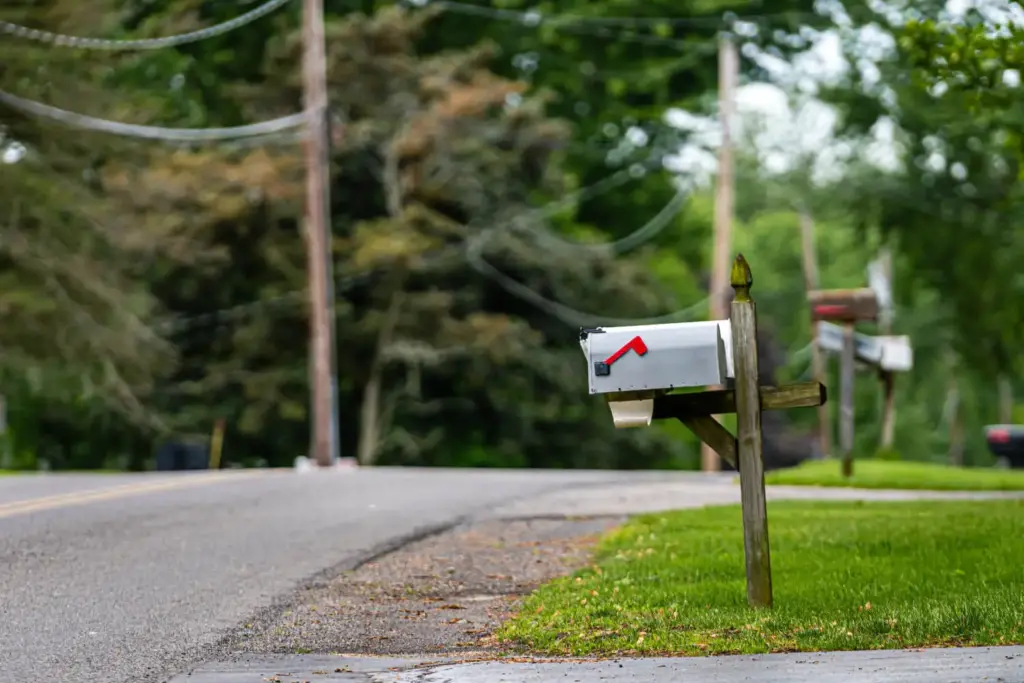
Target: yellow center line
point(115, 492)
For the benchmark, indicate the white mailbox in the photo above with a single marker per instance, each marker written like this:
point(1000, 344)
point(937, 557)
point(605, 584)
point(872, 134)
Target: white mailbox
point(896, 354)
point(652, 357)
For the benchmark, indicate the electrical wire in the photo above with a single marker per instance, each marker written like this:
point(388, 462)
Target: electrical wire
point(183, 135)
point(285, 138)
point(536, 17)
point(571, 23)
point(291, 298)
point(635, 239)
point(177, 325)
point(150, 132)
point(274, 126)
point(62, 40)
point(638, 237)
point(567, 314)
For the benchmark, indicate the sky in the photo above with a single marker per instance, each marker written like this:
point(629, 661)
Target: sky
point(12, 151)
point(783, 119)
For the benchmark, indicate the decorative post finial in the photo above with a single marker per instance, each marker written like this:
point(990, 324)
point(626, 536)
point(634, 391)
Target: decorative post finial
point(741, 279)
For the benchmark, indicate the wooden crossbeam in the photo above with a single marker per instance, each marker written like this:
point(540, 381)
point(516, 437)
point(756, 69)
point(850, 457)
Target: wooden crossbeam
point(723, 401)
point(695, 411)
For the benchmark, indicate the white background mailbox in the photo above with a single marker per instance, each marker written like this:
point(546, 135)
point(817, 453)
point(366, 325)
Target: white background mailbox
point(646, 357)
point(893, 354)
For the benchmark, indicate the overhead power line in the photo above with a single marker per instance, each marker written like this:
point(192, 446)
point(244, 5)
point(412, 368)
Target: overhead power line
point(533, 18)
point(82, 121)
point(288, 300)
point(83, 42)
point(633, 240)
point(570, 23)
point(567, 314)
point(601, 25)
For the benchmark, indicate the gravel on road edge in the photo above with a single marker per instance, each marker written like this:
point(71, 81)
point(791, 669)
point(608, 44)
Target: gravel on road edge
point(439, 596)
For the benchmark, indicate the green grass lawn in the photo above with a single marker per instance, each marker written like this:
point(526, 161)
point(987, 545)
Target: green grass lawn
point(880, 474)
point(846, 576)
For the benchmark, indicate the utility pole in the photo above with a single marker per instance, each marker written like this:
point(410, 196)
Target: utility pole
point(721, 260)
point(322, 379)
point(885, 315)
point(1005, 399)
point(811, 283)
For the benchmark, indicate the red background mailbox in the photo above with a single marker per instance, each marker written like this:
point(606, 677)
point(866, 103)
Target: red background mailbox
point(843, 305)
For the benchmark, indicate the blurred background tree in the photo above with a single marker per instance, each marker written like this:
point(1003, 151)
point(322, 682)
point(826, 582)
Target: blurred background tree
point(481, 151)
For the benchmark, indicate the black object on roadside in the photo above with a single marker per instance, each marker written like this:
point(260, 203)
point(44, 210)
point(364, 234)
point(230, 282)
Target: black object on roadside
point(177, 455)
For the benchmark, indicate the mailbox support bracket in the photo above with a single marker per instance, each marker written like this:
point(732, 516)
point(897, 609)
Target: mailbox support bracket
point(711, 432)
point(695, 410)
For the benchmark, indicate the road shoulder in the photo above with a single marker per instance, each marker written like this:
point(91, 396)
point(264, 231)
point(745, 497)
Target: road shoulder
point(432, 605)
point(441, 596)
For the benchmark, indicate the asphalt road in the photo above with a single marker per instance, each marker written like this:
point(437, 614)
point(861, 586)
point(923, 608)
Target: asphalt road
point(118, 578)
point(136, 578)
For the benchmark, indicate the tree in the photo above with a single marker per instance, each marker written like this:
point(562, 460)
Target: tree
point(78, 334)
point(956, 197)
point(437, 365)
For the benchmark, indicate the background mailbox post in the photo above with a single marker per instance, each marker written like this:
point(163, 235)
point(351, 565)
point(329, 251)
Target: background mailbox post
point(845, 306)
point(636, 367)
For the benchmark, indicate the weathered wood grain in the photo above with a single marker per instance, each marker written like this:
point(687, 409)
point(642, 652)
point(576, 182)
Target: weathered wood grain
point(708, 430)
point(723, 401)
point(743, 316)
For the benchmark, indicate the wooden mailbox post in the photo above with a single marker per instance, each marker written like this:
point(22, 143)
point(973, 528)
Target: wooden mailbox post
point(846, 306)
point(644, 396)
point(886, 354)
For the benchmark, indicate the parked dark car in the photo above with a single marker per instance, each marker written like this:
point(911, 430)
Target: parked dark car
point(1007, 441)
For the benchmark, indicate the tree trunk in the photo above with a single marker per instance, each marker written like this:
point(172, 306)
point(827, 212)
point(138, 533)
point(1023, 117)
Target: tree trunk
point(370, 418)
point(811, 283)
point(370, 412)
point(956, 426)
point(1005, 400)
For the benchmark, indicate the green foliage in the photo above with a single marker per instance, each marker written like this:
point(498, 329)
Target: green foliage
point(952, 208)
point(452, 127)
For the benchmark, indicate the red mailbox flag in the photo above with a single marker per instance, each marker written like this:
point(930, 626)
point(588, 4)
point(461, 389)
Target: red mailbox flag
point(636, 344)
